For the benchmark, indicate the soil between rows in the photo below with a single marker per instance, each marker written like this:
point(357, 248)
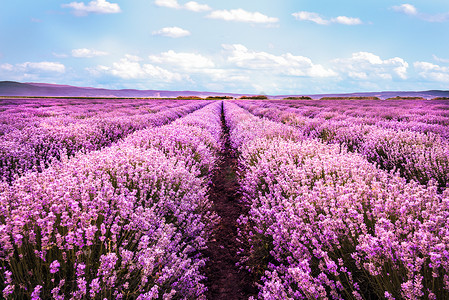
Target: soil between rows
point(225, 279)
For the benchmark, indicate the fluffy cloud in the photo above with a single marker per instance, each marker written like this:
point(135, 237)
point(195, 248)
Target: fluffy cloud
point(240, 15)
point(97, 6)
point(407, 9)
point(347, 20)
point(318, 19)
point(365, 65)
point(310, 16)
point(184, 60)
point(87, 53)
point(35, 67)
point(7, 67)
point(173, 32)
point(130, 67)
point(45, 66)
point(196, 7)
point(431, 71)
point(192, 5)
point(286, 64)
point(411, 10)
point(168, 3)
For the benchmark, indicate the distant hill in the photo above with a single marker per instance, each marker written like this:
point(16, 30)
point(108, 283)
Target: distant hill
point(12, 88)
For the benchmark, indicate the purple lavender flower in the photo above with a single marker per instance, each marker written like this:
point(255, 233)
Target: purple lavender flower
point(54, 267)
point(36, 292)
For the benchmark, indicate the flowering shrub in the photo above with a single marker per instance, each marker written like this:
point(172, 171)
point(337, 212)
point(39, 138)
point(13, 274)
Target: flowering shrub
point(326, 223)
point(126, 222)
point(416, 147)
point(37, 145)
point(336, 208)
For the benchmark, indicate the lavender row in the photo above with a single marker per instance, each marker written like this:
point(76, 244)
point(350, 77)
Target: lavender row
point(36, 147)
point(429, 112)
point(415, 155)
point(125, 222)
point(17, 114)
point(325, 223)
point(421, 116)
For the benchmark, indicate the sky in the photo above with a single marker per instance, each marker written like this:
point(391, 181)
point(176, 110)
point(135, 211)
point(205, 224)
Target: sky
point(252, 46)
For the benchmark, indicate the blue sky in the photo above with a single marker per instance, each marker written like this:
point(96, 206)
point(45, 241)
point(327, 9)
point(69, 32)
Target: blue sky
point(272, 47)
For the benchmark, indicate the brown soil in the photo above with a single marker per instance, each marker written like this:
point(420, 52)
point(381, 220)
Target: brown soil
point(225, 279)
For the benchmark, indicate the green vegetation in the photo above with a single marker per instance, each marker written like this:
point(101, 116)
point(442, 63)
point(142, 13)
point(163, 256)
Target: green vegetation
point(188, 98)
point(219, 97)
point(258, 97)
point(406, 98)
point(298, 98)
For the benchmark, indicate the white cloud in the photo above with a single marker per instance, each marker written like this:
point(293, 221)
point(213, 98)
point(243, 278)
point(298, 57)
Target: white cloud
point(365, 65)
point(318, 19)
point(411, 10)
point(87, 53)
point(227, 75)
point(44, 71)
point(184, 60)
point(7, 67)
point(191, 5)
point(286, 64)
point(439, 59)
point(97, 6)
point(173, 32)
point(407, 9)
point(130, 67)
point(44, 66)
point(310, 16)
point(197, 7)
point(431, 71)
point(240, 15)
point(168, 3)
point(32, 71)
point(347, 20)
point(35, 67)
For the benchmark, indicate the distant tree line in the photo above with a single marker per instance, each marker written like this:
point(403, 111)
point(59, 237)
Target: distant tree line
point(258, 97)
point(406, 98)
point(298, 98)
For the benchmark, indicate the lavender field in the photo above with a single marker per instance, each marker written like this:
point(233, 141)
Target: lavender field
point(233, 199)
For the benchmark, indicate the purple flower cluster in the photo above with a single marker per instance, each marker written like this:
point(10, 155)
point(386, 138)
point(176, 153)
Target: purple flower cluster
point(18, 113)
point(412, 140)
point(50, 135)
point(325, 223)
point(125, 222)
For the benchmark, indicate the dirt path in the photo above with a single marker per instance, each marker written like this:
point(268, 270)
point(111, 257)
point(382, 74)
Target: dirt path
point(225, 280)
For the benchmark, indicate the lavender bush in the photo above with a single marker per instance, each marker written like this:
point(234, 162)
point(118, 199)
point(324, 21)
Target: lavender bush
point(326, 223)
point(344, 202)
point(35, 147)
point(395, 139)
point(125, 222)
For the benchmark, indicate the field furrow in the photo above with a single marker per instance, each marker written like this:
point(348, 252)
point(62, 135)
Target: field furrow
point(224, 278)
